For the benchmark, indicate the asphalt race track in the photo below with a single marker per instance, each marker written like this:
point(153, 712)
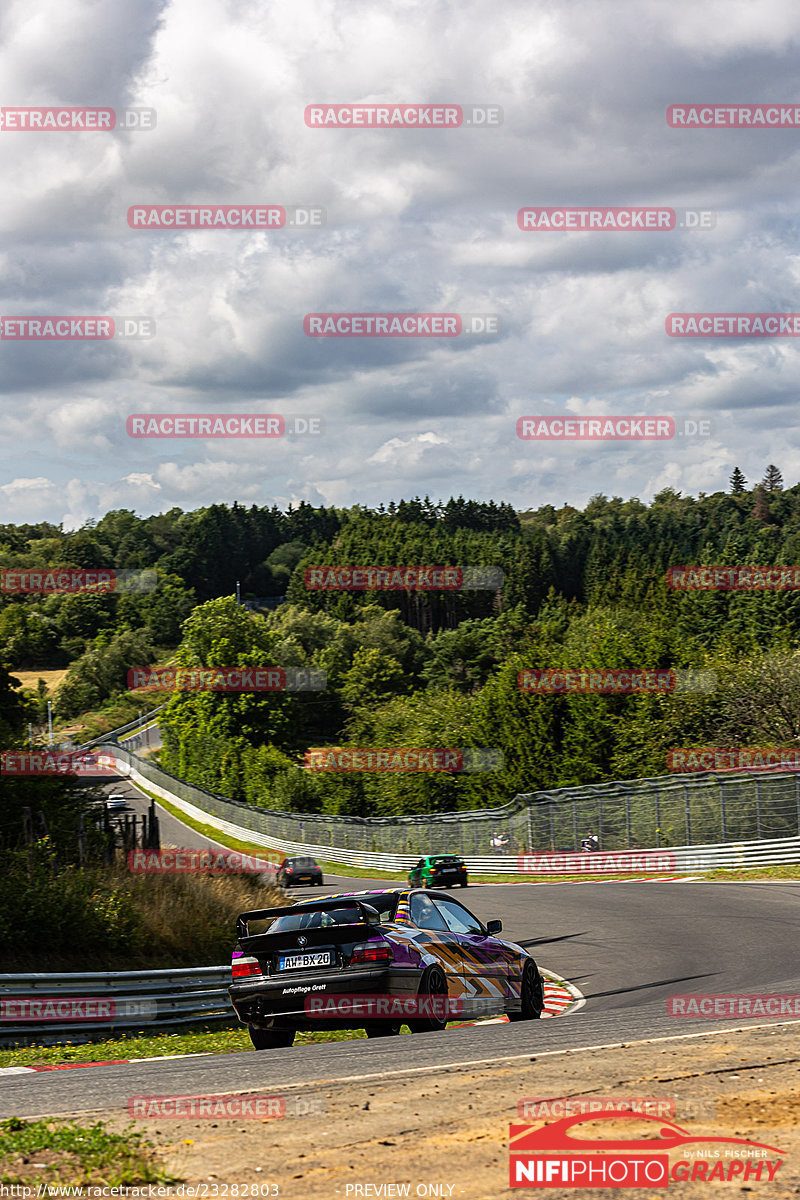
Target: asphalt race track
point(627, 946)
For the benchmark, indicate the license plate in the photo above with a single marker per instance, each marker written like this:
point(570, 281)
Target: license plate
point(449, 870)
point(294, 962)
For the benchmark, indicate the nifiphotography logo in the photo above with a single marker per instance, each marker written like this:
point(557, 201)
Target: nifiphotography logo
point(656, 1153)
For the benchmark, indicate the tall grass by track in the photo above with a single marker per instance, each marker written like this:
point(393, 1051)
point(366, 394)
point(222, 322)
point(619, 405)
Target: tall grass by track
point(105, 918)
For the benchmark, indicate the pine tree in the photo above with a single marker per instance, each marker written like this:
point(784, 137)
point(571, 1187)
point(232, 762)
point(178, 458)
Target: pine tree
point(738, 482)
point(761, 508)
point(773, 480)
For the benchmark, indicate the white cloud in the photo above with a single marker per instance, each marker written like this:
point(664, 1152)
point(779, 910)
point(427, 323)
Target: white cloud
point(418, 220)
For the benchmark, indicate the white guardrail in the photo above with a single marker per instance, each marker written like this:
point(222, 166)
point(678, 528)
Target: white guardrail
point(672, 859)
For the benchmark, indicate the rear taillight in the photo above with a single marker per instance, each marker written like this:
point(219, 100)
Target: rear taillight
point(242, 967)
point(372, 952)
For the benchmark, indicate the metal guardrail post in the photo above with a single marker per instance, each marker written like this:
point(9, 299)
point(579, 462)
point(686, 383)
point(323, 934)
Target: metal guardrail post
point(628, 817)
point(658, 818)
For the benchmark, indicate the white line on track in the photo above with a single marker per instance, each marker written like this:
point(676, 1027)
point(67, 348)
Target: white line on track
point(478, 1062)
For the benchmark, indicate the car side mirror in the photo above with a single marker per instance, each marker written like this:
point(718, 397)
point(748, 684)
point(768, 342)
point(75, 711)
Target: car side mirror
point(494, 926)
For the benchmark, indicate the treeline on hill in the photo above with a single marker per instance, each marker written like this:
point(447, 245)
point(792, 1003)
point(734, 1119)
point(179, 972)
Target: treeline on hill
point(582, 589)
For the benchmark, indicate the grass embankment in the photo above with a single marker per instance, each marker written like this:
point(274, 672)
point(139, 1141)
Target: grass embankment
point(38, 1153)
point(755, 873)
point(231, 1039)
point(105, 918)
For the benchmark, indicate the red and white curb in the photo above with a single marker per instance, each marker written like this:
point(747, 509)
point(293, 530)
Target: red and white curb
point(110, 1062)
point(559, 996)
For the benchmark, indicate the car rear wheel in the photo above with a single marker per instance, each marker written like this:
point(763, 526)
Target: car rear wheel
point(271, 1039)
point(531, 994)
point(433, 983)
point(464, 884)
point(382, 1029)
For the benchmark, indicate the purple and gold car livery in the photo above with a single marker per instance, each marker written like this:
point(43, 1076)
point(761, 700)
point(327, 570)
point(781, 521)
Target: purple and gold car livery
point(428, 952)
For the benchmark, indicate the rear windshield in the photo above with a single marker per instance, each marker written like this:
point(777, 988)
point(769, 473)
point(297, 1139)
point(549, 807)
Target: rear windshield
point(308, 918)
point(446, 858)
point(315, 920)
point(301, 862)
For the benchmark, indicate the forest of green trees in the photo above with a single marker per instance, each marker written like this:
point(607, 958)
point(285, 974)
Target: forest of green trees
point(419, 668)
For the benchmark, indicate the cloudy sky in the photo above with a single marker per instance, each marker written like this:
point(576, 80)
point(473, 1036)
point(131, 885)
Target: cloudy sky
point(416, 221)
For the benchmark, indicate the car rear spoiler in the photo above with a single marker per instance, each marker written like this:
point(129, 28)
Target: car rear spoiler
point(369, 915)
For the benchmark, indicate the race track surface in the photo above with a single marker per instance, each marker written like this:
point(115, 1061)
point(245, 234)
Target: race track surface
point(627, 946)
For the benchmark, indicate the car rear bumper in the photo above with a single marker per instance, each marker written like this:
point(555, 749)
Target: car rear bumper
point(282, 1000)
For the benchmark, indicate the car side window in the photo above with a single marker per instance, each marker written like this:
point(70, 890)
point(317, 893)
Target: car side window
point(425, 914)
point(458, 920)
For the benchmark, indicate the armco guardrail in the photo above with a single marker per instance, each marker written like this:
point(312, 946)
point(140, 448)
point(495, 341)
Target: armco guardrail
point(73, 1006)
point(681, 859)
point(114, 734)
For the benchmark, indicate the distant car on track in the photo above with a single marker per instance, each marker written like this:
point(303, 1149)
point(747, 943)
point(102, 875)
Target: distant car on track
point(438, 870)
point(294, 871)
point(395, 943)
point(116, 801)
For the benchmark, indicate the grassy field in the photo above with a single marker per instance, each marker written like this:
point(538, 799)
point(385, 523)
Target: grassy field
point(30, 679)
point(204, 1039)
point(38, 1153)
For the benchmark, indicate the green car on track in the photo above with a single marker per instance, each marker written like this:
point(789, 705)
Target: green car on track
point(438, 870)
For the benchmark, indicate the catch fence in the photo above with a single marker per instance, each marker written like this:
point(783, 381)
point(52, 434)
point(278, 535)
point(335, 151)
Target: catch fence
point(666, 811)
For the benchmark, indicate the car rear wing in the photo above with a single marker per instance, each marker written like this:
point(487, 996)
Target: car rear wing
point(368, 914)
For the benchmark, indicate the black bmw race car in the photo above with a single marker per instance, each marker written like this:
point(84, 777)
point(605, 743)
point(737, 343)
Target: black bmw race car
point(368, 959)
point(294, 871)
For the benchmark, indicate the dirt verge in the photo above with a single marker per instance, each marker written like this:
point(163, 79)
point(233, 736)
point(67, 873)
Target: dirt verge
point(446, 1134)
